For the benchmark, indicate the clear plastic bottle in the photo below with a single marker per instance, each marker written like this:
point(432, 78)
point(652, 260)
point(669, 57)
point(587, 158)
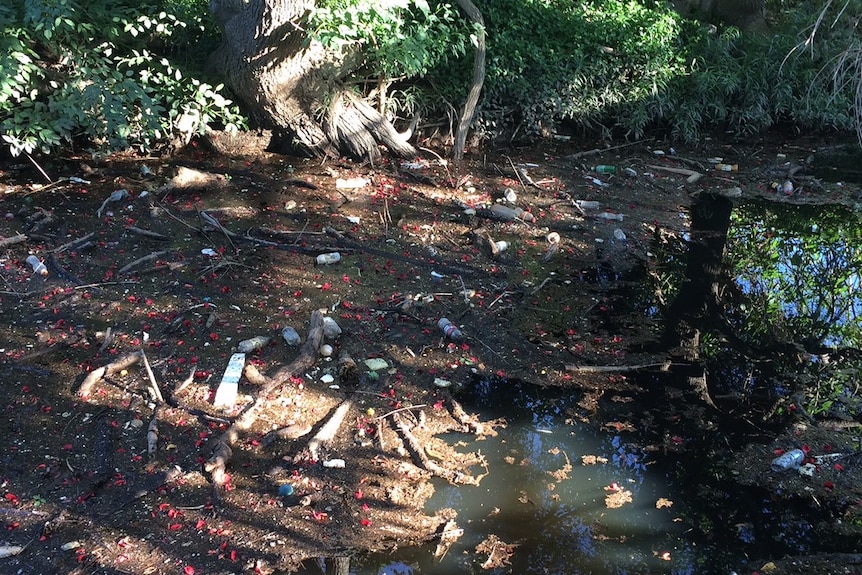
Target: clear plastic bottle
point(291, 337)
point(501, 212)
point(610, 216)
point(449, 329)
point(789, 460)
point(331, 329)
point(37, 265)
point(330, 258)
point(249, 345)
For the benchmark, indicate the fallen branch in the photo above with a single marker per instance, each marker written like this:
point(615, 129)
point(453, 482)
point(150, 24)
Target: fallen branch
point(139, 261)
point(614, 368)
point(148, 233)
point(222, 452)
point(12, 240)
point(693, 176)
point(96, 375)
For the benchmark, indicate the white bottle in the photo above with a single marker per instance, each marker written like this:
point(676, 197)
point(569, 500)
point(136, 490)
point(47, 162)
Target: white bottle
point(610, 216)
point(37, 265)
point(326, 259)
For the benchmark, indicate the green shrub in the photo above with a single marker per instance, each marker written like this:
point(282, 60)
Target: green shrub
point(112, 74)
point(633, 66)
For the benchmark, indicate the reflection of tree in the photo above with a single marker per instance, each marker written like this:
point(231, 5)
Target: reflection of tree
point(773, 288)
point(800, 281)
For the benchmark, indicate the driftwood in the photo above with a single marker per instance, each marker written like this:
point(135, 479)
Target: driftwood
point(222, 451)
point(693, 176)
point(148, 233)
point(96, 375)
point(12, 240)
point(188, 178)
point(614, 368)
point(139, 261)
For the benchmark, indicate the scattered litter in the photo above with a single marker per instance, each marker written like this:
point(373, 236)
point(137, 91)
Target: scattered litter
point(440, 382)
point(225, 396)
point(10, 550)
point(76, 180)
point(605, 169)
point(501, 245)
point(610, 216)
point(553, 238)
point(807, 470)
point(351, 183)
point(505, 213)
point(327, 378)
point(331, 329)
point(71, 545)
point(330, 258)
point(326, 350)
point(285, 490)
point(587, 204)
point(146, 172)
point(253, 344)
point(789, 460)
point(290, 335)
point(115, 196)
point(510, 195)
point(37, 265)
point(353, 219)
point(376, 363)
point(209, 252)
point(630, 172)
point(727, 167)
point(449, 329)
point(334, 463)
point(598, 182)
point(620, 235)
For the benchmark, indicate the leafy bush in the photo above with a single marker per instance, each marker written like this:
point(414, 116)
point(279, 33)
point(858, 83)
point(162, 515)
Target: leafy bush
point(105, 72)
point(631, 66)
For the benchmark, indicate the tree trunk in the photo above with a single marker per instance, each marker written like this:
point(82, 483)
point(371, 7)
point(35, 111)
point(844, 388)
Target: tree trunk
point(294, 85)
point(478, 79)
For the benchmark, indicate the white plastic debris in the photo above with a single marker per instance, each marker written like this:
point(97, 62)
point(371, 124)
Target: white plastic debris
point(376, 363)
point(351, 183)
point(115, 196)
point(334, 463)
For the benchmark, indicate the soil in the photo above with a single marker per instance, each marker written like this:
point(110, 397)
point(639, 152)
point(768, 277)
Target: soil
point(209, 249)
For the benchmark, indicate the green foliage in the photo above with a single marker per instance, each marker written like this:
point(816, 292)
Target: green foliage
point(396, 38)
point(109, 73)
point(631, 66)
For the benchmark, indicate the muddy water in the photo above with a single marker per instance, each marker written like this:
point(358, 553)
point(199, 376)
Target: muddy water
point(557, 524)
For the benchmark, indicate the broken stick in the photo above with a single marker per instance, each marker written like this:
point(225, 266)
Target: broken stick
point(96, 375)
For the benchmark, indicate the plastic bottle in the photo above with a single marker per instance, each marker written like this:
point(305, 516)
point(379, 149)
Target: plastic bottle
point(331, 329)
point(510, 195)
point(587, 204)
point(727, 167)
point(620, 235)
point(450, 330)
point(789, 460)
point(605, 169)
point(330, 258)
point(502, 245)
point(249, 345)
point(610, 216)
point(506, 213)
point(37, 265)
point(290, 336)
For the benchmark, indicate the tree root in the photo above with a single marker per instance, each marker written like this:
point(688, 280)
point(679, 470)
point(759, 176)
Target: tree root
point(421, 459)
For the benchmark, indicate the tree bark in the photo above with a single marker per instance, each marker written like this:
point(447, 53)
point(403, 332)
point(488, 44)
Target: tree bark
point(478, 79)
point(285, 79)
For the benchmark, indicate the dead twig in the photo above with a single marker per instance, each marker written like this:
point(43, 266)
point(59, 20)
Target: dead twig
point(614, 368)
point(96, 375)
point(139, 261)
